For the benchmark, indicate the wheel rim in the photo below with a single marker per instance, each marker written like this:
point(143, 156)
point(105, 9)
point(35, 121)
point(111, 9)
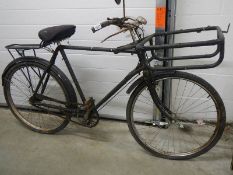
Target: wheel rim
point(195, 114)
point(22, 83)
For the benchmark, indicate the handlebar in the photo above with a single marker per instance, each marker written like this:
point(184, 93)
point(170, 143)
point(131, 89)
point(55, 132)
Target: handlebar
point(101, 26)
point(114, 21)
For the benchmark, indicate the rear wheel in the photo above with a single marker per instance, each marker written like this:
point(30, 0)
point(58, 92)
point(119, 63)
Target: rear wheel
point(44, 114)
point(197, 117)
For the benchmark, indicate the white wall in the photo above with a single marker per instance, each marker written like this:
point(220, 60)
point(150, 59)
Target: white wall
point(20, 21)
point(199, 13)
point(98, 72)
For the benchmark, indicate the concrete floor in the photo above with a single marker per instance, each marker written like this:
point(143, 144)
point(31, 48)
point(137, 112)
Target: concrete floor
point(107, 149)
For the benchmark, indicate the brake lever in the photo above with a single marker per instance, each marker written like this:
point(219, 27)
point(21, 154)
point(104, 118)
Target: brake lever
point(122, 30)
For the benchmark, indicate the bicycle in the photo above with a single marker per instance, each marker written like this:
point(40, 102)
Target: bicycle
point(182, 123)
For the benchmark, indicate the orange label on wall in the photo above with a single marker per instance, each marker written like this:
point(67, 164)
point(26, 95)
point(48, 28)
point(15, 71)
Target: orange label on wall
point(160, 20)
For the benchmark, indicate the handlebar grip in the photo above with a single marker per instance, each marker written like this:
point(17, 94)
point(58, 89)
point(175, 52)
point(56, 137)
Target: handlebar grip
point(101, 26)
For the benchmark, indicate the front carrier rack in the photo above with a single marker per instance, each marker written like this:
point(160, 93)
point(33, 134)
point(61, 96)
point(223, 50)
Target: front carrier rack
point(149, 44)
point(219, 42)
point(140, 47)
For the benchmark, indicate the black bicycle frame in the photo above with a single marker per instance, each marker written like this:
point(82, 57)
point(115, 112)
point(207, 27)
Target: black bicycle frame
point(142, 66)
point(140, 48)
point(62, 48)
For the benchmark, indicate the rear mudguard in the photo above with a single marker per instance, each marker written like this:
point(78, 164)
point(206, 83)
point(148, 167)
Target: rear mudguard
point(19, 60)
point(44, 62)
point(25, 59)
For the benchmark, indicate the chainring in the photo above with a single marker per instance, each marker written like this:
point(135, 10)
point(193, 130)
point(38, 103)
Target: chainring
point(91, 121)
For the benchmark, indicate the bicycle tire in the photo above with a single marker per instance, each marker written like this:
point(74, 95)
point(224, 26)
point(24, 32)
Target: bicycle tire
point(218, 131)
point(58, 80)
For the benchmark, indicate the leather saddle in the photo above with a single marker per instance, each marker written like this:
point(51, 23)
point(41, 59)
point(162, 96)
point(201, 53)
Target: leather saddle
point(56, 34)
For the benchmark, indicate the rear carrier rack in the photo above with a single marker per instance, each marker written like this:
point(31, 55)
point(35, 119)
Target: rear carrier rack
point(149, 44)
point(21, 49)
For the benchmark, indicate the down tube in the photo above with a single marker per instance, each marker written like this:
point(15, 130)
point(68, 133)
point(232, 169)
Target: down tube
point(118, 87)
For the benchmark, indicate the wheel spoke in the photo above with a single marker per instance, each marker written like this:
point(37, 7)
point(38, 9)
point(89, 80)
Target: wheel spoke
point(194, 111)
point(20, 87)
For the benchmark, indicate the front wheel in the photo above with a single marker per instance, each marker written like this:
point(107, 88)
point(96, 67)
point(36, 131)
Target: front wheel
point(196, 122)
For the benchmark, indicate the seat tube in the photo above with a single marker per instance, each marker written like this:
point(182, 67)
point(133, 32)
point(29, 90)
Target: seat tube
point(78, 87)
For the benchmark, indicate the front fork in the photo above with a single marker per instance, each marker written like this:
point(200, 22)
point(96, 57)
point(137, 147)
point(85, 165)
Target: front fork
point(165, 111)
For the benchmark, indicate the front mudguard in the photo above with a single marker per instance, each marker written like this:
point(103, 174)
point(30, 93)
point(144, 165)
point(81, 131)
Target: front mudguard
point(134, 85)
point(141, 80)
